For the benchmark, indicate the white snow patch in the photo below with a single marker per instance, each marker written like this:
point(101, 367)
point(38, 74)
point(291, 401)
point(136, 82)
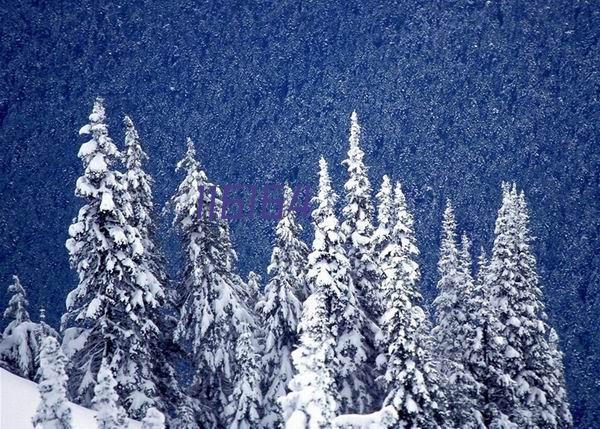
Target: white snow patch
point(19, 399)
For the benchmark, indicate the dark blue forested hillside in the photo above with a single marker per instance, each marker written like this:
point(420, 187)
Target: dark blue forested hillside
point(453, 98)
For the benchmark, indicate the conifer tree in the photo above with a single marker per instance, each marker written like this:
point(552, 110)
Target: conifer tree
point(20, 345)
point(280, 310)
point(212, 307)
point(456, 330)
point(522, 392)
point(53, 411)
point(162, 349)
point(311, 402)
point(556, 384)
point(108, 314)
point(411, 377)
point(358, 232)
point(153, 419)
point(16, 311)
point(139, 185)
point(318, 361)
point(245, 404)
point(106, 400)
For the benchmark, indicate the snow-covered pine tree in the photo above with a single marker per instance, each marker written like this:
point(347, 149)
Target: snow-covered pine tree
point(245, 404)
point(153, 419)
point(53, 411)
point(108, 313)
point(540, 382)
point(139, 185)
point(16, 311)
point(358, 232)
point(411, 376)
point(523, 389)
point(319, 378)
point(162, 349)
point(44, 330)
point(20, 345)
point(456, 332)
point(280, 310)
point(212, 307)
point(106, 400)
point(558, 397)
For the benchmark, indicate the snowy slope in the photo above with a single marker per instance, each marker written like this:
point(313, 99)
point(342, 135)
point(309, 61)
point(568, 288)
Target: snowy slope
point(19, 398)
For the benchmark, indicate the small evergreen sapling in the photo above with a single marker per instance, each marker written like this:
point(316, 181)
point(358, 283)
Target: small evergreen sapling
point(106, 401)
point(53, 411)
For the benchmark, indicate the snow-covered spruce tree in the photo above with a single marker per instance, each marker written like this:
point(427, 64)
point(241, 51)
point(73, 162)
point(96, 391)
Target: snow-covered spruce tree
point(139, 185)
point(106, 400)
point(280, 310)
point(153, 419)
point(557, 386)
point(522, 393)
point(16, 311)
point(44, 330)
point(358, 231)
point(20, 345)
point(245, 403)
point(212, 307)
point(456, 331)
point(319, 378)
point(53, 411)
point(108, 313)
point(411, 376)
point(162, 348)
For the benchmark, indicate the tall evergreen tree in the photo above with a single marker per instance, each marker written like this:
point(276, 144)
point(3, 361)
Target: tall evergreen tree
point(106, 400)
point(162, 349)
point(456, 330)
point(139, 185)
point(523, 393)
point(108, 313)
point(328, 323)
point(212, 308)
point(53, 411)
point(358, 231)
point(411, 377)
point(20, 345)
point(245, 405)
point(556, 384)
point(280, 310)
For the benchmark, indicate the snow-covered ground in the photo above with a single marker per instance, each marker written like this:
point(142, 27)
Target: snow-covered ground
point(19, 399)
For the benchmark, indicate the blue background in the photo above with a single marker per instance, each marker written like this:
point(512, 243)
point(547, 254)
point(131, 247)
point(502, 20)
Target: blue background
point(453, 97)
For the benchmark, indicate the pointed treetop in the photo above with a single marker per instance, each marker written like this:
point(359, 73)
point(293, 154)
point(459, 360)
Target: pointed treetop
point(135, 155)
point(466, 261)
point(324, 180)
point(399, 197)
point(354, 130)
point(386, 203)
point(189, 161)
point(98, 114)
